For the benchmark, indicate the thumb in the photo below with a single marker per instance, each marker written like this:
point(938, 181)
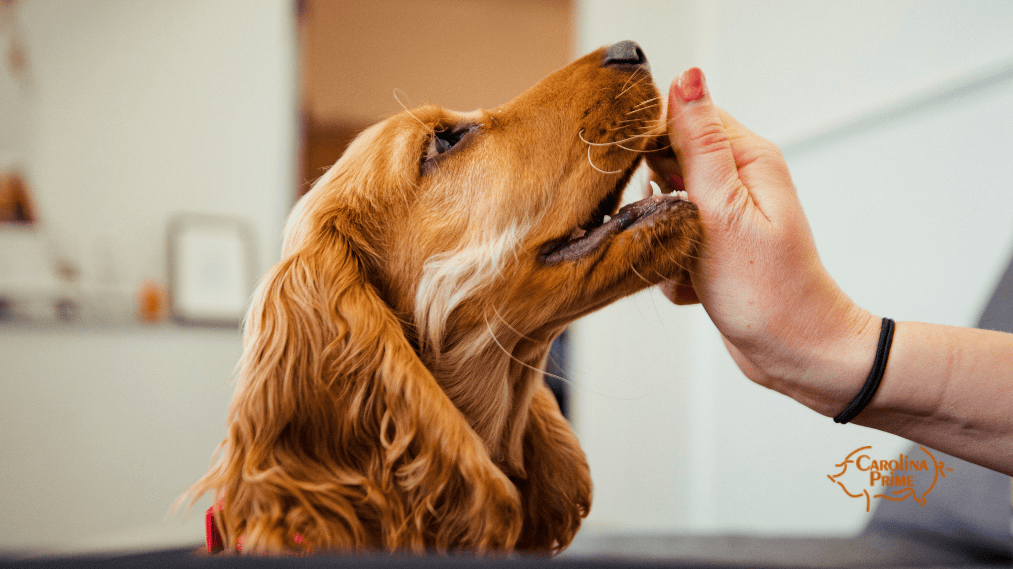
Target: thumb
point(701, 144)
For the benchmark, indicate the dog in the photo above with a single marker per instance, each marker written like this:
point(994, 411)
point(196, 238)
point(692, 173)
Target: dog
point(391, 394)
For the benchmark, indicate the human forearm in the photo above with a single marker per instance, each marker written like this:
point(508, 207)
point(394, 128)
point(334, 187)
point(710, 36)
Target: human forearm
point(951, 389)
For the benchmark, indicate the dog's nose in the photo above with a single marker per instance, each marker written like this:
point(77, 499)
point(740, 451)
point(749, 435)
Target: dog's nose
point(624, 53)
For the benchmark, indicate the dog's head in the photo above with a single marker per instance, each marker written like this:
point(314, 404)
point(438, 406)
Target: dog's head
point(392, 374)
point(496, 218)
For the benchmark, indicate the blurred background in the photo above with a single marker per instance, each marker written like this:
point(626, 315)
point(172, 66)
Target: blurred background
point(150, 153)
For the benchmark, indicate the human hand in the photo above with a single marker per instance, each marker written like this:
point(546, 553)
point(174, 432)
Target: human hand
point(784, 320)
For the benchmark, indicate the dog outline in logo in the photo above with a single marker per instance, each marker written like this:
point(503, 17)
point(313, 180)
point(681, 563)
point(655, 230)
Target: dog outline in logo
point(939, 469)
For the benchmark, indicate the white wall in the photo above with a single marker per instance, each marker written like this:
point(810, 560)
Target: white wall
point(897, 121)
point(101, 430)
point(145, 109)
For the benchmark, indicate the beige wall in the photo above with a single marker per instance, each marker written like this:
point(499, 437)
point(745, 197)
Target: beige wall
point(460, 54)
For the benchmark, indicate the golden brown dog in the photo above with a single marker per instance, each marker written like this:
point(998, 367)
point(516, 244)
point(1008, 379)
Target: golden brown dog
point(391, 392)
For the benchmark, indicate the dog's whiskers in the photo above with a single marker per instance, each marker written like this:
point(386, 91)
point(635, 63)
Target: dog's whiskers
point(642, 277)
point(613, 143)
point(628, 79)
point(642, 103)
point(565, 380)
point(659, 149)
point(625, 89)
point(407, 110)
point(619, 144)
point(512, 329)
point(640, 110)
point(645, 150)
point(647, 125)
point(597, 168)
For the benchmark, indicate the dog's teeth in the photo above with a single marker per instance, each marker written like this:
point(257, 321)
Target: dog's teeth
point(650, 189)
point(606, 219)
point(682, 195)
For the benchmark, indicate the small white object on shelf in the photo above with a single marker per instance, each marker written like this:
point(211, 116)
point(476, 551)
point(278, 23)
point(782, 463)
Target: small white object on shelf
point(211, 270)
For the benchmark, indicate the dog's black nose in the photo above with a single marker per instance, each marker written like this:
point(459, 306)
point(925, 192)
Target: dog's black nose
point(624, 53)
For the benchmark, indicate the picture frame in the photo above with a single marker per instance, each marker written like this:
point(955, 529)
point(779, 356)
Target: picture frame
point(211, 270)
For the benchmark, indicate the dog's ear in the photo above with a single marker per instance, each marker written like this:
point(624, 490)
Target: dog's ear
point(557, 489)
point(338, 435)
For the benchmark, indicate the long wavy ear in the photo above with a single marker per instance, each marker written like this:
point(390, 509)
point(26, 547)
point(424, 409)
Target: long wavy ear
point(557, 490)
point(338, 435)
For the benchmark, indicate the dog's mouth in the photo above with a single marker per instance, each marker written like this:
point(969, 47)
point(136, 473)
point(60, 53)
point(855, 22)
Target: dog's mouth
point(608, 219)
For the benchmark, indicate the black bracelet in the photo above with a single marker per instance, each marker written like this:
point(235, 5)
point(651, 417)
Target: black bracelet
point(875, 376)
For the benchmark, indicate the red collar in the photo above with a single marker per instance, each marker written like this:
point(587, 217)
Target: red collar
point(214, 537)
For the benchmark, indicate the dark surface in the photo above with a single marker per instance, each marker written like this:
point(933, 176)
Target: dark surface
point(998, 313)
point(874, 549)
point(972, 508)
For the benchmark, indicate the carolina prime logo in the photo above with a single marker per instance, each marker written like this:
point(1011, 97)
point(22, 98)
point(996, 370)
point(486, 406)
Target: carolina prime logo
point(865, 475)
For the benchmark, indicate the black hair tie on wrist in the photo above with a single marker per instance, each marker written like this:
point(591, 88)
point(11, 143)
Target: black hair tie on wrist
point(875, 376)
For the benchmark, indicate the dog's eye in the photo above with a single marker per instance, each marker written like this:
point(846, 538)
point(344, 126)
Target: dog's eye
point(444, 140)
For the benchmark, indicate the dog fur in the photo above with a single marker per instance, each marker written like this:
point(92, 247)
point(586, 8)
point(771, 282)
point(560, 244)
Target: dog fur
point(391, 392)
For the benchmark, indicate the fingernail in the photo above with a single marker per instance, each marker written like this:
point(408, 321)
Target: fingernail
point(691, 84)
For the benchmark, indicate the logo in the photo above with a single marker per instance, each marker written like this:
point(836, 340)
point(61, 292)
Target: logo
point(863, 475)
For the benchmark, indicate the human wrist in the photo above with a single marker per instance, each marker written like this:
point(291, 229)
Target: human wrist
point(839, 366)
point(922, 359)
point(826, 370)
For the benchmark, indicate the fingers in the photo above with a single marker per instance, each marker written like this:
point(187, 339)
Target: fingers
point(762, 169)
point(702, 144)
